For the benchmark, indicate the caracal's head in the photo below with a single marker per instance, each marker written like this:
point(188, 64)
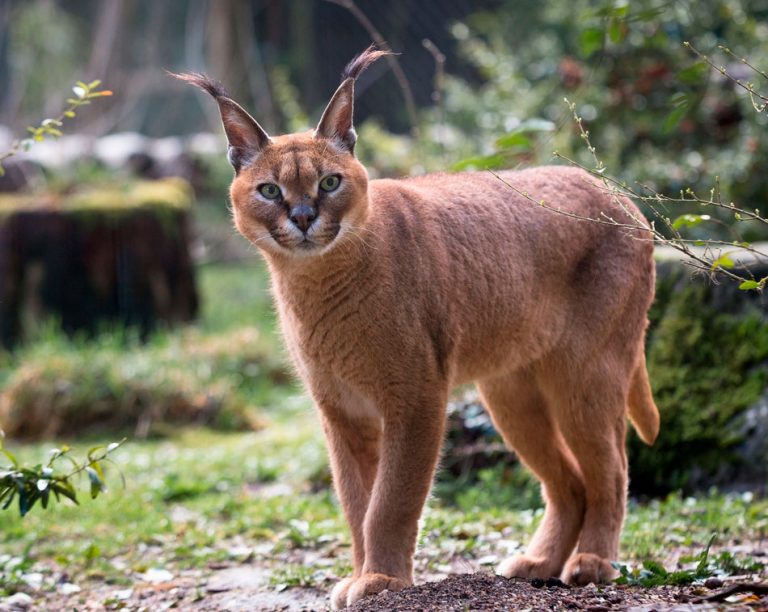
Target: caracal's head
point(298, 194)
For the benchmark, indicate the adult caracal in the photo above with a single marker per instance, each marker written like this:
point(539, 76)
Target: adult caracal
point(391, 292)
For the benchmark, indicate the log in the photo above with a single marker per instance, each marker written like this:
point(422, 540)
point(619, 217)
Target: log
point(96, 258)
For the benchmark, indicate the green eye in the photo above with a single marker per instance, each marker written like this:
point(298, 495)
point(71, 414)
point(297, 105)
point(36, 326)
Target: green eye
point(270, 191)
point(330, 183)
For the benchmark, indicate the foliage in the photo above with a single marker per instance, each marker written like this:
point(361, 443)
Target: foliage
point(654, 573)
point(706, 366)
point(32, 484)
point(653, 109)
point(66, 387)
point(84, 94)
point(626, 67)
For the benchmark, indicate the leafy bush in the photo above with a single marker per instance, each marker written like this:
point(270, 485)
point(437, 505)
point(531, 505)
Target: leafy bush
point(46, 482)
point(655, 111)
point(708, 362)
point(66, 387)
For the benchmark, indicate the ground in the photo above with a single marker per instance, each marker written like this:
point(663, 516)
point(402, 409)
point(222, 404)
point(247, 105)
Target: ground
point(224, 521)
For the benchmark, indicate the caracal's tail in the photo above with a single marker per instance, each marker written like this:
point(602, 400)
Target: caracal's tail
point(642, 410)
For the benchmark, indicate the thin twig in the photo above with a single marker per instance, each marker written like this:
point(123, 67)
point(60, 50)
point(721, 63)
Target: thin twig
point(748, 87)
point(438, 84)
point(758, 588)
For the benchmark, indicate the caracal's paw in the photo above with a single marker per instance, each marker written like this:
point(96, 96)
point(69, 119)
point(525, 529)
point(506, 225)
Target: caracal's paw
point(339, 593)
point(583, 568)
point(351, 590)
point(526, 566)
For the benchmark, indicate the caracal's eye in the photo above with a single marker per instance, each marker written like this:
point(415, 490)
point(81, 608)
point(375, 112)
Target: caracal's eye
point(330, 183)
point(270, 191)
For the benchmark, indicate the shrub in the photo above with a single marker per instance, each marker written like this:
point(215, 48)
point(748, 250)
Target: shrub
point(62, 388)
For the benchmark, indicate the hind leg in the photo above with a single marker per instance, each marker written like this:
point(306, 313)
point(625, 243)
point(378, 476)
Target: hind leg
point(522, 417)
point(592, 419)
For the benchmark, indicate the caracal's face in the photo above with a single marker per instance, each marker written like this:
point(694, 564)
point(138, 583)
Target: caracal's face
point(299, 196)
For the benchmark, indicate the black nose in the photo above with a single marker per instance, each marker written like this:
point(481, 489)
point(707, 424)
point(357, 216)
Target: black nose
point(303, 216)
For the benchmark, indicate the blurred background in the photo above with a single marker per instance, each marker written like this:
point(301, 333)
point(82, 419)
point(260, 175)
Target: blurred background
point(128, 304)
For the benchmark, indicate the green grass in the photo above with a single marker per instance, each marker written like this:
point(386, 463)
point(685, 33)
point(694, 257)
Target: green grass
point(237, 295)
point(200, 496)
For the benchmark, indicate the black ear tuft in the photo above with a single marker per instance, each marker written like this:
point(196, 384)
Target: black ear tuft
point(362, 61)
point(202, 81)
point(245, 136)
point(336, 122)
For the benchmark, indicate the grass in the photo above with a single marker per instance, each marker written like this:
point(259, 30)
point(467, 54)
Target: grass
point(198, 498)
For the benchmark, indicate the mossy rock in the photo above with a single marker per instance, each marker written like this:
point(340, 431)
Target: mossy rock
point(707, 351)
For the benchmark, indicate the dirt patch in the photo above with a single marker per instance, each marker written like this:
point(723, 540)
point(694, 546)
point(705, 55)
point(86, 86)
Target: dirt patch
point(489, 593)
point(241, 590)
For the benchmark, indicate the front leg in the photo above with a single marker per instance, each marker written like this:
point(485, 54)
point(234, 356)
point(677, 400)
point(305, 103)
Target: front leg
point(412, 434)
point(353, 446)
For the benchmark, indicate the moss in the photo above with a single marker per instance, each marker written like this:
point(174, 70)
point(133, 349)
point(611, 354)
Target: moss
point(168, 195)
point(706, 367)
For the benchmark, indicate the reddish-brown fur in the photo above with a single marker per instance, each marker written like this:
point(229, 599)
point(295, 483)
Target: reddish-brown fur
point(402, 289)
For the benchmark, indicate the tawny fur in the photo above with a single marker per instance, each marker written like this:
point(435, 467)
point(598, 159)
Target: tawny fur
point(402, 289)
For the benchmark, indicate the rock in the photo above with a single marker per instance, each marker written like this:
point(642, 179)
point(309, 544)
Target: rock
point(68, 588)
point(157, 575)
point(244, 577)
point(16, 602)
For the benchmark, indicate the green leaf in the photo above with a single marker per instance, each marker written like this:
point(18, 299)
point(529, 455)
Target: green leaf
point(2, 170)
point(655, 568)
point(26, 501)
point(616, 30)
point(487, 162)
point(694, 74)
point(97, 485)
point(65, 488)
point(674, 118)
point(724, 261)
point(94, 84)
point(701, 568)
point(93, 450)
point(10, 498)
point(749, 284)
point(515, 140)
point(591, 40)
point(10, 456)
point(69, 113)
point(689, 220)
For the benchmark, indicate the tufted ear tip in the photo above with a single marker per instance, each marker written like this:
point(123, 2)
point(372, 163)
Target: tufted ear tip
point(245, 136)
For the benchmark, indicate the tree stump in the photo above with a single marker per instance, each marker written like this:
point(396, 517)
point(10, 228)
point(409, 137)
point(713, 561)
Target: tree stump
point(112, 255)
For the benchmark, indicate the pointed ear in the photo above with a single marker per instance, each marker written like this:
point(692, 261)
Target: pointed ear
point(245, 136)
point(336, 122)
